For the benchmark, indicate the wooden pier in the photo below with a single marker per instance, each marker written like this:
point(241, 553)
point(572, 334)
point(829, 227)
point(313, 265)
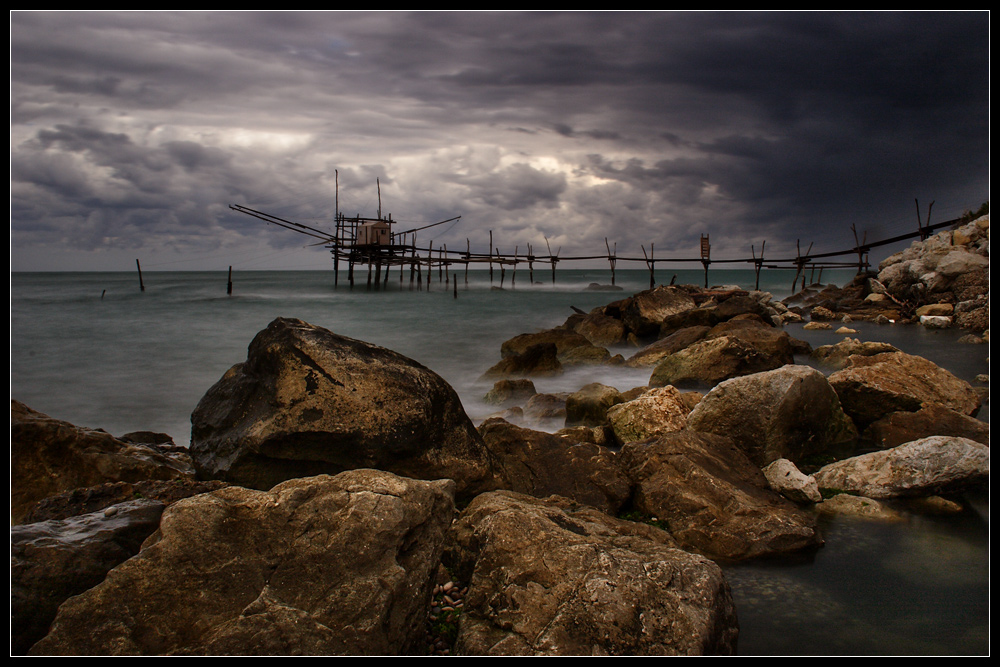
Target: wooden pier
point(372, 244)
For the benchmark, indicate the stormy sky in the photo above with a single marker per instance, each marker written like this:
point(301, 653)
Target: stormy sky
point(133, 132)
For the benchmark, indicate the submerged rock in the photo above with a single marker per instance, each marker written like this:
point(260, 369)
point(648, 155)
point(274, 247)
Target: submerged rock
point(320, 566)
point(548, 577)
point(307, 402)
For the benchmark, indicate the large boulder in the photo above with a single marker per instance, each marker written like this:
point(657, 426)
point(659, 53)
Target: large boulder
point(931, 466)
point(49, 456)
point(710, 361)
point(543, 464)
point(548, 577)
point(791, 412)
point(338, 565)
point(644, 312)
point(835, 356)
point(51, 561)
point(601, 329)
point(539, 360)
point(871, 387)
point(308, 401)
point(713, 498)
point(651, 354)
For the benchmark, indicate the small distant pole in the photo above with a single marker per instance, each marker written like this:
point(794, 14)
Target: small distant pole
point(229, 284)
point(454, 285)
point(706, 255)
point(142, 288)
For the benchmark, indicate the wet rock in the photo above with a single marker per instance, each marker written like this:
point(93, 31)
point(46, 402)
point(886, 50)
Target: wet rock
point(49, 456)
point(714, 499)
point(96, 498)
point(318, 566)
point(542, 464)
point(505, 392)
point(939, 465)
point(601, 329)
point(589, 406)
point(564, 340)
point(655, 412)
point(846, 504)
point(537, 361)
point(54, 560)
point(546, 411)
point(792, 412)
point(308, 401)
point(548, 577)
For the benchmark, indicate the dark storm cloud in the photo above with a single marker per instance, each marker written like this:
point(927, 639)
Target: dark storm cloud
point(135, 130)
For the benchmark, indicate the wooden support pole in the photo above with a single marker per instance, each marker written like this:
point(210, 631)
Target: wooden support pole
point(491, 257)
point(468, 256)
point(611, 258)
point(142, 288)
point(513, 273)
point(430, 263)
point(229, 284)
point(454, 286)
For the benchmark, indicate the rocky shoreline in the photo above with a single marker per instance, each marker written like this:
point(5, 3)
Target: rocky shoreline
point(337, 500)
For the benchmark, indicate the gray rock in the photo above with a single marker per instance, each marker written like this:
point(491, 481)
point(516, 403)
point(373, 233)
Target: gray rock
point(790, 482)
point(931, 466)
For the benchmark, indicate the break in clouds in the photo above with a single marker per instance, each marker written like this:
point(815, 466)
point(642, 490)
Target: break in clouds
point(133, 132)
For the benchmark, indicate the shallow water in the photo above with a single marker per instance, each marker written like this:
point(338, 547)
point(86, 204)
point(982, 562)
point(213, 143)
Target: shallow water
point(94, 350)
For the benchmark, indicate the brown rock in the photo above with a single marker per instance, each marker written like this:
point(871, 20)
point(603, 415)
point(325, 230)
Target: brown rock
point(553, 578)
point(898, 428)
point(318, 566)
point(49, 456)
point(871, 387)
point(542, 464)
point(309, 402)
point(714, 499)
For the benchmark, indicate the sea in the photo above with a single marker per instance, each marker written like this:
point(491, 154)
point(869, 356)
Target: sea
point(100, 351)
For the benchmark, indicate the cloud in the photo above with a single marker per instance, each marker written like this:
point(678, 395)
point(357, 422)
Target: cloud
point(135, 130)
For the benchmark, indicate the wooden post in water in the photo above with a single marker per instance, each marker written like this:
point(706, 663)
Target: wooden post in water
point(513, 273)
point(142, 288)
point(430, 263)
point(229, 285)
point(649, 264)
point(611, 258)
point(859, 248)
point(468, 256)
point(454, 286)
point(757, 263)
point(706, 256)
point(531, 268)
point(491, 257)
point(503, 269)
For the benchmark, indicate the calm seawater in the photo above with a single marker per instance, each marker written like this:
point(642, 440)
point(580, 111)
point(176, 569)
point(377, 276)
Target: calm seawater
point(94, 350)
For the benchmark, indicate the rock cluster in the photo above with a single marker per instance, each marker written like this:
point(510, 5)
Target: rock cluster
point(941, 281)
point(325, 518)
